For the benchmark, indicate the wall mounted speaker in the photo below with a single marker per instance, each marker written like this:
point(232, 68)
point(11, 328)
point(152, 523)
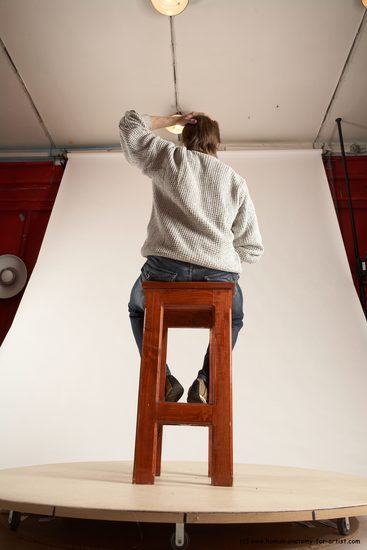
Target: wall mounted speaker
point(13, 275)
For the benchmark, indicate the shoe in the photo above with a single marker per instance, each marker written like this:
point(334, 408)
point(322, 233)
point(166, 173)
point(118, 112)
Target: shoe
point(174, 390)
point(198, 392)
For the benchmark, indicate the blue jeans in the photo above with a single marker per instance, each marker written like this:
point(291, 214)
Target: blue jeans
point(158, 268)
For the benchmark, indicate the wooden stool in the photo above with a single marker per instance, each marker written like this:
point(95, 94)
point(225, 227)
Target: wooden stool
point(185, 304)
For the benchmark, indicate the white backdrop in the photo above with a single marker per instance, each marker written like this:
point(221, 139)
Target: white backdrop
point(69, 365)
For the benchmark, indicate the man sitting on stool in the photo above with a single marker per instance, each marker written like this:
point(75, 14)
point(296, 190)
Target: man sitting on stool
point(203, 223)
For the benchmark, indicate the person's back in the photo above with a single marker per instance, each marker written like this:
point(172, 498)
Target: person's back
point(202, 212)
point(203, 220)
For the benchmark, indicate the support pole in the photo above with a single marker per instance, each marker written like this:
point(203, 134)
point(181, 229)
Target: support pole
point(358, 258)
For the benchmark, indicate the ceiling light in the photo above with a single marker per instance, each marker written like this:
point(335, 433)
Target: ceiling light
point(170, 7)
point(364, 2)
point(177, 128)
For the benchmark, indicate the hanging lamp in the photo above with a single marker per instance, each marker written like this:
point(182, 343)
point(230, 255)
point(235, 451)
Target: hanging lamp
point(169, 7)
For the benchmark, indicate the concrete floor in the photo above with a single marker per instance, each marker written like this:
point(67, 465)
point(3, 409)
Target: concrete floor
point(37, 533)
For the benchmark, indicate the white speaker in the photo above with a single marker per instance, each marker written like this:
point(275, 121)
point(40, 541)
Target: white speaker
point(13, 275)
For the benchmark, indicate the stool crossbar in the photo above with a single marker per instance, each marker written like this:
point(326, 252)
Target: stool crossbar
point(185, 304)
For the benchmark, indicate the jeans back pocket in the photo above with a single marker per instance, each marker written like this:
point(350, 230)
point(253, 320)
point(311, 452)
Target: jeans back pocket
point(225, 277)
point(150, 273)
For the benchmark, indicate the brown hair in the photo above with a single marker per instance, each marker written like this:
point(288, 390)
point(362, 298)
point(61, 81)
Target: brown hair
point(203, 136)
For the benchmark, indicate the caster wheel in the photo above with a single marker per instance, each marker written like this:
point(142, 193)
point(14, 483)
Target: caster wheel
point(343, 526)
point(185, 544)
point(14, 520)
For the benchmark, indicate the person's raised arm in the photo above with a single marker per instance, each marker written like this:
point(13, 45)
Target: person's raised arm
point(143, 148)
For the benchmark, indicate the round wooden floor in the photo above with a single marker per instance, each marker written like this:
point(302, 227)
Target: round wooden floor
point(183, 494)
point(41, 533)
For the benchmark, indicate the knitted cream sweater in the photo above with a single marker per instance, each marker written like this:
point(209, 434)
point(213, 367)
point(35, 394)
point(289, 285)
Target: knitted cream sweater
point(202, 212)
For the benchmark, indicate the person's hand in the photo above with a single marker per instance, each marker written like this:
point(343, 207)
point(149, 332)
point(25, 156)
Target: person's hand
point(190, 118)
point(166, 121)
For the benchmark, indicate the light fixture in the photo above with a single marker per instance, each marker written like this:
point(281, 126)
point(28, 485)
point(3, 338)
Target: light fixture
point(170, 7)
point(364, 2)
point(177, 128)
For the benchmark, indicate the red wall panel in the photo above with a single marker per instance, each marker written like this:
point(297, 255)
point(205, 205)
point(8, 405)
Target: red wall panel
point(27, 194)
point(357, 170)
point(11, 230)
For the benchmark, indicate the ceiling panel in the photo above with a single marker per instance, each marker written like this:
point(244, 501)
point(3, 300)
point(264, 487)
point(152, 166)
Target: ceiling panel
point(18, 121)
point(350, 103)
point(86, 61)
point(266, 70)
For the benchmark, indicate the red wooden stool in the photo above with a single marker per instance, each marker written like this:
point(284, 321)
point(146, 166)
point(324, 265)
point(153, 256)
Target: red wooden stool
point(185, 304)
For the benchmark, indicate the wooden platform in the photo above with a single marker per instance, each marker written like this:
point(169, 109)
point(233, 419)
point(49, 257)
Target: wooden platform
point(183, 494)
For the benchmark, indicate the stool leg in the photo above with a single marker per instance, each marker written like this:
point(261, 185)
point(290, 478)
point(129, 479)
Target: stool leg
point(159, 450)
point(146, 424)
point(222, 451)
point(210, 452)
point(211, 400)
point(161, 396)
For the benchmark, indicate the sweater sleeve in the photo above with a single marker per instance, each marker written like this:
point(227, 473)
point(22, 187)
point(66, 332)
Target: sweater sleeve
point(247, 239)
point(140, 146)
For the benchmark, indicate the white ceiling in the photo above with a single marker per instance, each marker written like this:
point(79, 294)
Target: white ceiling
point(265, 69)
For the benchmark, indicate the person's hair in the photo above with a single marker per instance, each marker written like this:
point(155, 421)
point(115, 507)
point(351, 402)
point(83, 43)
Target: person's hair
point(203, 136)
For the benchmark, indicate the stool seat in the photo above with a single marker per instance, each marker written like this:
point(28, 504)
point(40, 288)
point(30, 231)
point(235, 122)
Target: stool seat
point(199, 304)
